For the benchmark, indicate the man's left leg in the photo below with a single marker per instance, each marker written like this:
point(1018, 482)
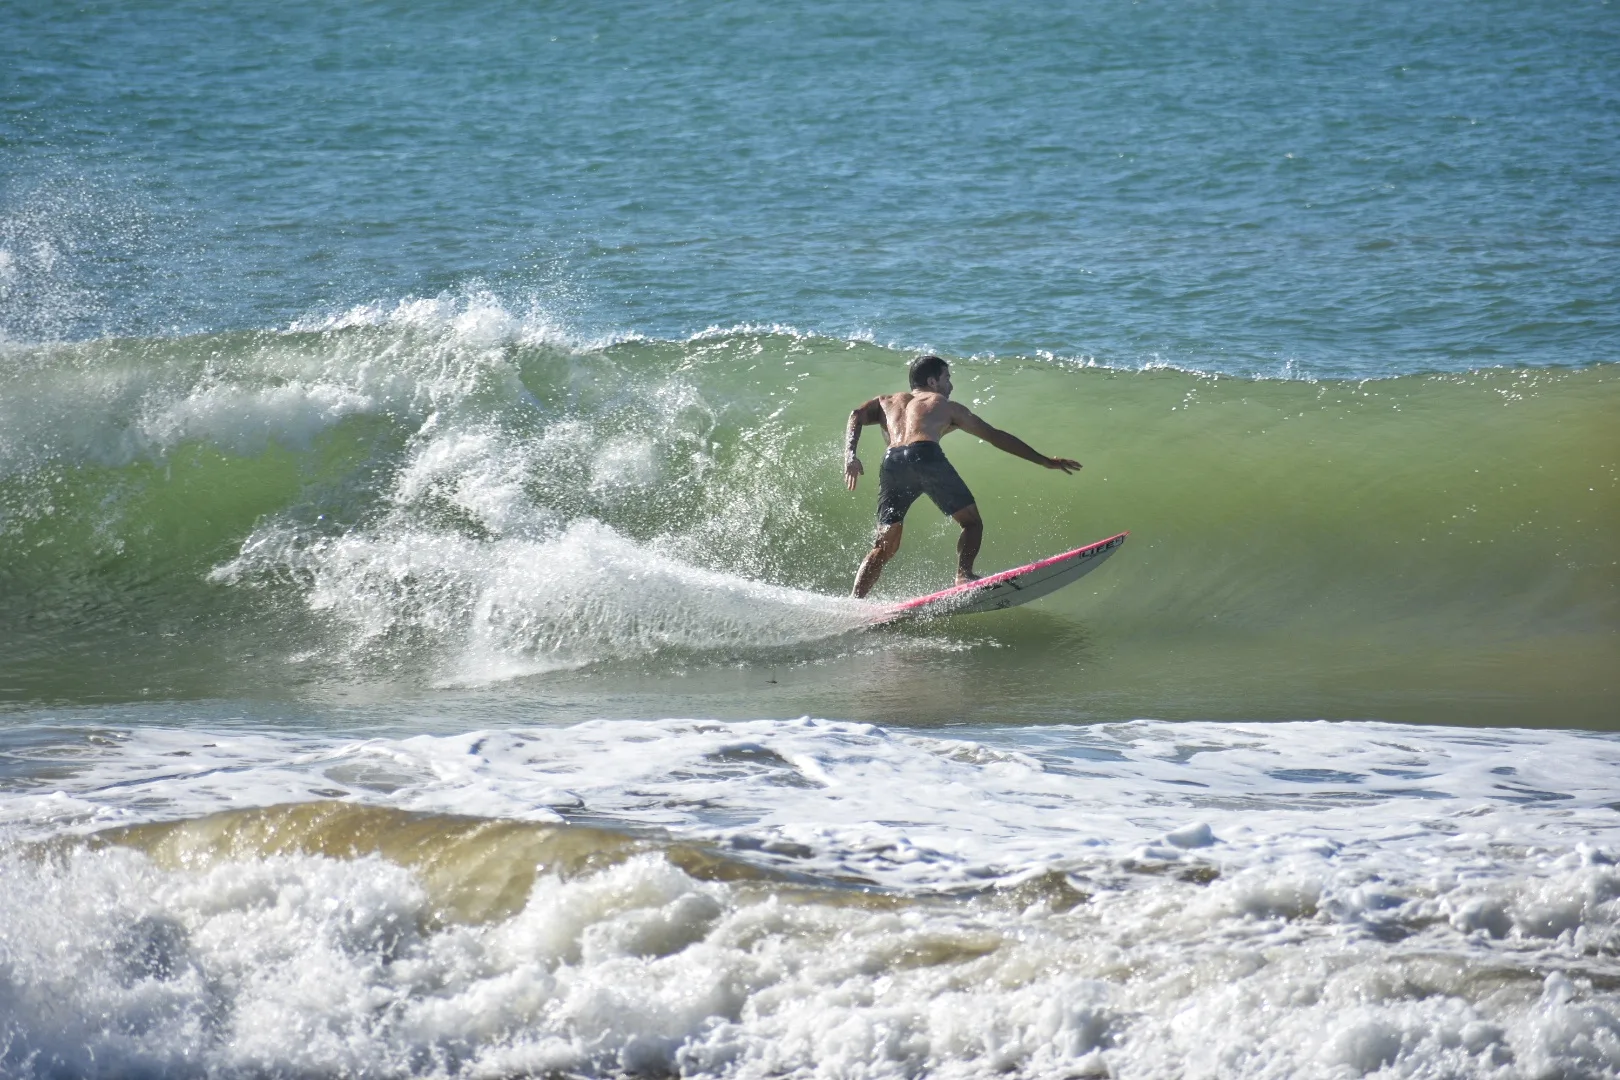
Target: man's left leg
point(883, 549)
point(967, 545)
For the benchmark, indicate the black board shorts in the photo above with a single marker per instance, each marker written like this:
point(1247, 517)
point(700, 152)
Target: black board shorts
point(914, 470)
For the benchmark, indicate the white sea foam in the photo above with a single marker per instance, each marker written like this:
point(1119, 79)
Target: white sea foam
point(496, 609)
point(1265, 900)
point(918, 811)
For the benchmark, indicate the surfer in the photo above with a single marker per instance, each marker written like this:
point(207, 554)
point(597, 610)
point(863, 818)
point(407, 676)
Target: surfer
point(913, 422)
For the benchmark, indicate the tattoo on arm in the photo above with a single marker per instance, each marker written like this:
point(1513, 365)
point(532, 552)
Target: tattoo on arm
point(869, 413)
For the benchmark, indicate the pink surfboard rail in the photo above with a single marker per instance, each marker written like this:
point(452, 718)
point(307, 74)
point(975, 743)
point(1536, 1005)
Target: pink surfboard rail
point(1009, 588)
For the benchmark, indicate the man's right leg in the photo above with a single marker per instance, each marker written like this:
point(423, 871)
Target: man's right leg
point(883, 549)
point(967, 545)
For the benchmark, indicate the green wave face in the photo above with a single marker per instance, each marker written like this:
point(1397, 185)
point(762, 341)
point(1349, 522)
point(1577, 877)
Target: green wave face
point(471, 505)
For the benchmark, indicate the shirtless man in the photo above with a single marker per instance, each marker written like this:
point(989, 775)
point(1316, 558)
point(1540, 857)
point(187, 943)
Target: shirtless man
point(913, 423)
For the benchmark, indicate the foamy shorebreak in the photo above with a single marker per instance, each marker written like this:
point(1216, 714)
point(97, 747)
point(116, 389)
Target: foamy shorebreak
point(747, 899)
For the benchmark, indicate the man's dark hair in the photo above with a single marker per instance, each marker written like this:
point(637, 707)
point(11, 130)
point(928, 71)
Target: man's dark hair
point(924, 368)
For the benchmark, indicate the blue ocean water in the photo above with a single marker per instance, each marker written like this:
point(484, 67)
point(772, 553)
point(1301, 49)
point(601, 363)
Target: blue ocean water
point(1357, 189)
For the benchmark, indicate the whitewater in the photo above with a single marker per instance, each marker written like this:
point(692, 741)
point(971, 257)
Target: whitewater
point(426, 648)
point(769, 897)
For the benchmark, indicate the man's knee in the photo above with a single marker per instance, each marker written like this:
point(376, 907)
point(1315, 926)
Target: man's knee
point(968, 517)
point(887, 542)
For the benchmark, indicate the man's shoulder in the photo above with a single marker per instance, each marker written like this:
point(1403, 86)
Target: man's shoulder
point(965, 418)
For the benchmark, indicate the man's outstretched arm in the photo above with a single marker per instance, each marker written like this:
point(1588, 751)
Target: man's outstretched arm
point(1012, 444)
point(870, 413)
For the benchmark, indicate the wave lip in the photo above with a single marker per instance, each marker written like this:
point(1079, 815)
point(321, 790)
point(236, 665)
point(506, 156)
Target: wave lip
point(472, 317)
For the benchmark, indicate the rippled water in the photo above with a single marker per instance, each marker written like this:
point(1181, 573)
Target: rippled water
point(1242, 186)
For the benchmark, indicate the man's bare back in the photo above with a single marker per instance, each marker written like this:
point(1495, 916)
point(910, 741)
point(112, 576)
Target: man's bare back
point(917, 416)
point(913, 423)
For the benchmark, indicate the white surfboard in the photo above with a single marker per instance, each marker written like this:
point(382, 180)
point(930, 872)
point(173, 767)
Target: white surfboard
point(1008, 588)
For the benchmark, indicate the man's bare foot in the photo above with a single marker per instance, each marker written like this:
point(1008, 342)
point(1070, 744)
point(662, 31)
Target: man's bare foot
point(963, 579)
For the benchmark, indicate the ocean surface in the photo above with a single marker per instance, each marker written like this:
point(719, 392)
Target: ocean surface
point(425, 643)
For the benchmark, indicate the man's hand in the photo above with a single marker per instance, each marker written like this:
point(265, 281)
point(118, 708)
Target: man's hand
point(1062, 463)
point(853, 470)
